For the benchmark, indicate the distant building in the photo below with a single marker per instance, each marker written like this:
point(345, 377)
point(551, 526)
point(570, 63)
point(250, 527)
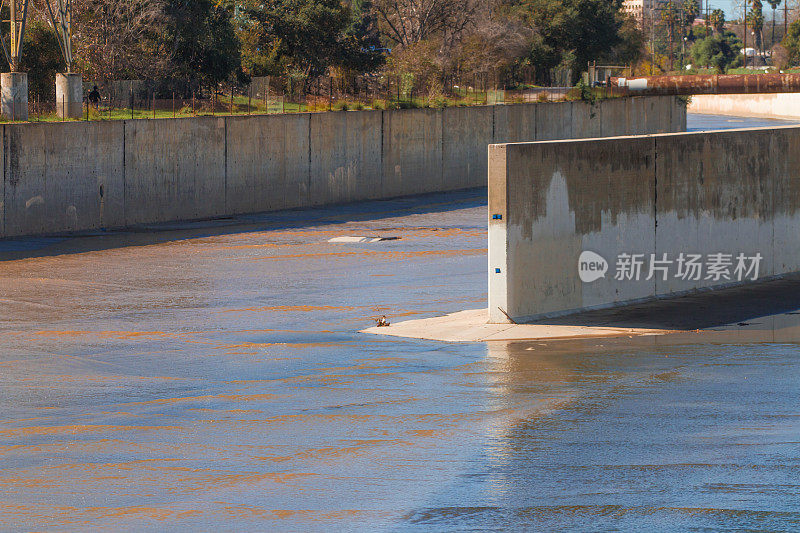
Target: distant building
point(642, 10)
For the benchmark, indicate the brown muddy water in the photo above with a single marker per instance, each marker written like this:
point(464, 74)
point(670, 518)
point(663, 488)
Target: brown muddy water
point(211, 377)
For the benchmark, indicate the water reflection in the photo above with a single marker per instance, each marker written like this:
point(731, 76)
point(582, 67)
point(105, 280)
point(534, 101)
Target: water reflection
point(687, 431)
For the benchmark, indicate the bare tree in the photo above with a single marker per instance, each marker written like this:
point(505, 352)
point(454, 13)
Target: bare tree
point(492, 46)
point(407, 22)
point(121, 39)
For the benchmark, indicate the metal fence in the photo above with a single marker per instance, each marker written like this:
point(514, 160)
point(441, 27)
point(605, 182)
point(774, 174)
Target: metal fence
point(132, 99)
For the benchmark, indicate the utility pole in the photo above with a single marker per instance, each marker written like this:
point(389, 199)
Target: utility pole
point(16, 32)
point(744, 19)
point(13, 33)
point(61, 21)
point(653, 37)
point(683, 40)
point(785, 17)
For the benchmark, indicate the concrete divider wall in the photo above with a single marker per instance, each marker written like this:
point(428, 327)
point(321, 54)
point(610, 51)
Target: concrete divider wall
point(68, 177)
point(735, 192)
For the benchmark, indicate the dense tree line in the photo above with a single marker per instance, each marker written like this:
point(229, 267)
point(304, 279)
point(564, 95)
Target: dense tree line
point(207, 42)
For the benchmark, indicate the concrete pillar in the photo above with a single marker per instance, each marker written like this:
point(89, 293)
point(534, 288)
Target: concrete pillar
point(69, 95)
point(14, 95)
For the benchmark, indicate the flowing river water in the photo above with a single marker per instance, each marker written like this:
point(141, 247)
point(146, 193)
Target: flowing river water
point(211, 377)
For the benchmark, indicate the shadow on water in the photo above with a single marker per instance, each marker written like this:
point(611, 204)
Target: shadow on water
point(703, 310)
point(23, 248)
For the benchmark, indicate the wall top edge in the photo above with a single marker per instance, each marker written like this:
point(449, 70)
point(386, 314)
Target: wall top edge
point(764, 130)
point(310, 114)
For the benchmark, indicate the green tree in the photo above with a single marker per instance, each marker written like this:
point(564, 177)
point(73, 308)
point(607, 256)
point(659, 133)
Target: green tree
point(791, 42)
point(191, 40)
point(570, 33)
point(691, 8)
point(41, 59)
point(689, 11)
point(632, 42)
point(305, 37)
point(720, 51)
point(717, 20)
point(755, 18)
point(362, 39)
point(201, 37)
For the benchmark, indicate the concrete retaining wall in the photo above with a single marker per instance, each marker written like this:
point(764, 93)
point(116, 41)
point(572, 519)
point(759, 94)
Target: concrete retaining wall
point(734, 193)
point(69, 177)
point(779, 105)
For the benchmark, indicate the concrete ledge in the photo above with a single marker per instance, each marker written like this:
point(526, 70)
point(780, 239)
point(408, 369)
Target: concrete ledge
point(760, 312)
point(472, 326)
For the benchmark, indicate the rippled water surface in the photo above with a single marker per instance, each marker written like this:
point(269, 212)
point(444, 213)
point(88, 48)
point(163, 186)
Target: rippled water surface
point(701, 122)
point(212, 378)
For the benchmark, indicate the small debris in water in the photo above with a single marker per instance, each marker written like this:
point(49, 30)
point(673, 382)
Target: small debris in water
point(382, 322)
point(347, 239)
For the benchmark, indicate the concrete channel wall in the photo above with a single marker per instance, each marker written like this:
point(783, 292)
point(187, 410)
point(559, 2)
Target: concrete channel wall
point(79, 176)
point(778, 105)
point(732, 193)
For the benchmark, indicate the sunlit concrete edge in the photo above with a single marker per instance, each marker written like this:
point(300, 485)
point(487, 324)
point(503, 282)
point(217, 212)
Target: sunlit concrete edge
point(472, 326)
